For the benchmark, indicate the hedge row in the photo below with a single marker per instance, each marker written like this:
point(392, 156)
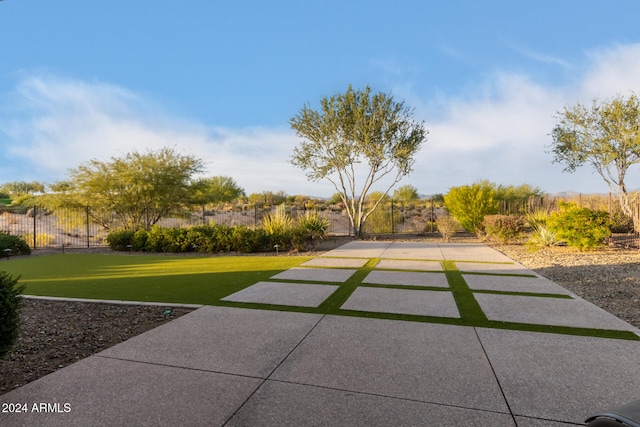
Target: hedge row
point(209, 239)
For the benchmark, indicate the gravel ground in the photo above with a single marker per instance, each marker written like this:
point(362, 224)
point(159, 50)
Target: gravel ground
point(55, 334)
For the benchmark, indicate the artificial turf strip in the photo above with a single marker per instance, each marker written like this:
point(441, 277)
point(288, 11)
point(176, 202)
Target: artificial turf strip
point(468, 307)
point(180, 279)
point(205, 280)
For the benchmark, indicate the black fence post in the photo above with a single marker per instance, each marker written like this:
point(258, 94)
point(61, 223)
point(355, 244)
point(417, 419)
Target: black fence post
point(393, 222)
point(87, 223)
point(35, 215)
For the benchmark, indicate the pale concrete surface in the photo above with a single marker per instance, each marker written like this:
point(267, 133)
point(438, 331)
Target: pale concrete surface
point(511, 268)
point(293, 294)
point(574, 312)
point(398, 264)
point(403, 301)
point(335, 262)
point(514, 284)
point(233, 366)
point(471, 252)
point(407, 279)
point(359, 249)
point(562, 377)
point(315, 274)
point(413, 250)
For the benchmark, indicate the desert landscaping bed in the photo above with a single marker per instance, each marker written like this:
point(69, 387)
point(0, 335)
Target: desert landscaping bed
point(55, 334)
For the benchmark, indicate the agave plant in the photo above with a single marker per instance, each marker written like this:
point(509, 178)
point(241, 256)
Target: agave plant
point(314, 224)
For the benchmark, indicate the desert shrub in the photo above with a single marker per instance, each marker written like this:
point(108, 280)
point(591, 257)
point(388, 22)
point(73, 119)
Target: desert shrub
point(161, 239)
point(582, 228)
point(17, 245)
point(248, 240)
point(279, 227)
point(121, 240)
point(313, 224)
point(381, 221)
point(504, 228)
point(42, 239)
point(621, 223)
point(542, 237)
point(278, 223)
point(447, 226)
point(139, 240)
point(10, 303)
point(469, 204)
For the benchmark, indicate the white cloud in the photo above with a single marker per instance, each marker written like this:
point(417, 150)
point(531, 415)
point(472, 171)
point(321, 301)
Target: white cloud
point(499, 130)
point(57, 124)
point(612, 71)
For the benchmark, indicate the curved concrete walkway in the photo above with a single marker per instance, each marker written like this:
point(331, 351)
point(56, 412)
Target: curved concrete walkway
point(432, 334)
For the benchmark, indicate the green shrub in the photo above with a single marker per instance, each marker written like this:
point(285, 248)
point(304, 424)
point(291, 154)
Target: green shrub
point(139, 240)
point(10, 303)
point(504, 228)
point(42, 239)
point(582, 228)
point(469, 204)
point(621, 223)
point(173, 240)
point(248, 240)
point(279, 223)
point(447, 226)
point(17, 245)
point(279, 227)
point(121, 240)
point(314, 224)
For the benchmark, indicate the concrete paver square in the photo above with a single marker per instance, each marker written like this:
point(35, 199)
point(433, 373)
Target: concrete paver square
point(407, 278)
point(403, 301)
point(294, 294)
point(278, 403)
point(359, 249)
point(109, 392)
point(562, 377)
point(221, 339)
point(397, 264)
point(419, 361)
point(471, 252)
point(315, 274)
point(335, 262)
point(574, 312)
point(514, 284)
point(413, 250)
point(511, 268)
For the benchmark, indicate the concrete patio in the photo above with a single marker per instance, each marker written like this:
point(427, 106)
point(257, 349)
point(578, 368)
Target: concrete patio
point(409, 346)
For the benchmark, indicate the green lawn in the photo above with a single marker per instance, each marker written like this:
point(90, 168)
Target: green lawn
point(179, 279)
point(205, 280)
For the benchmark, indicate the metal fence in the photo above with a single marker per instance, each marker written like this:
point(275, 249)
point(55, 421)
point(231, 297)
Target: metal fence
point(75, 228)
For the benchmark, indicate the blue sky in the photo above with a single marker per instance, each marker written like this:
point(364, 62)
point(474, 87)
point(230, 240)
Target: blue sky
point(82, 80)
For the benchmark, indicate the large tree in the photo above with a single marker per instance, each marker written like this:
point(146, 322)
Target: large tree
point(357, 127)
point(215, 190)
point(133, 191)
point(606, 136)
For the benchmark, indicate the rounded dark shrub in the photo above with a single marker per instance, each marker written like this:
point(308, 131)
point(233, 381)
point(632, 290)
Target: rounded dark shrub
point(139, 240)
point(17, 245)
point(10, 303)
point(121, 240)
